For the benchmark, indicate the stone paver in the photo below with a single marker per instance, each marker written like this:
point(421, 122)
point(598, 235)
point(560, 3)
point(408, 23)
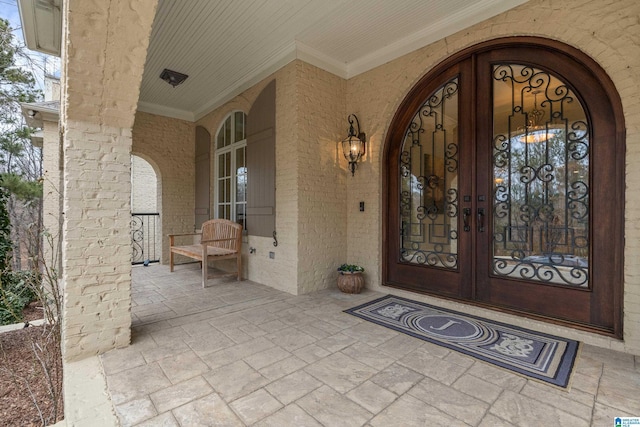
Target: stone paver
point(255, 406)
point(372, 397)
point(135, 411)
point(179, 394)
point(523, 411)
point(136, 382)
point(293, 387)
point(476, 387)
point(183, 366)
point(331, 408)
point(260, 357)
point(211, 410)
point(409, 411)
point(341, 372)
point(291, 415)
point(450, 401)
point(235, 380)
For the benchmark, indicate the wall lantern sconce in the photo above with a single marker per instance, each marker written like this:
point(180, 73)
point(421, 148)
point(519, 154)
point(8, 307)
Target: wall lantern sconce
point(174, 78)
point(354, 145)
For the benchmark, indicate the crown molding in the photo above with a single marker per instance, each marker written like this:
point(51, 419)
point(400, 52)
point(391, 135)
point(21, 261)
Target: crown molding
point(473, 14)
point(161, 110)
point(315, 57)
point(278, 60)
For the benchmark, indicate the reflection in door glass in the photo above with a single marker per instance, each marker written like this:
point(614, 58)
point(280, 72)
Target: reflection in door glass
point(429, 181)
point(541, 178)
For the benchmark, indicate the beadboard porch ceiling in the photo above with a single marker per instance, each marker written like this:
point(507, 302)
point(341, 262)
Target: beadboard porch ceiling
point(226, 46)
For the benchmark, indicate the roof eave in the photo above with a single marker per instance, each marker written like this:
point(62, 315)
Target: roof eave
point(36, 113)
point(42, 25)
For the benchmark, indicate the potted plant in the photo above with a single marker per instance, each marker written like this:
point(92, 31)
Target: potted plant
point(350, 279)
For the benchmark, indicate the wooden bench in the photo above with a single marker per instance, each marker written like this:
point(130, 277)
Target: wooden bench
point(220, 239)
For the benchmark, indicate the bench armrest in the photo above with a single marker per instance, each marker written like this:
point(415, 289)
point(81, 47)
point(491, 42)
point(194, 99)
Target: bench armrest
point(230, 239)
point(171, 236)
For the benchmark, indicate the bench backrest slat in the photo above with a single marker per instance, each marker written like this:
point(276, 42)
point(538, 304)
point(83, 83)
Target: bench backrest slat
point(223, 229)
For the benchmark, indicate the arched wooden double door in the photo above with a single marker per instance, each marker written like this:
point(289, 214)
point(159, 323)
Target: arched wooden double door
point(504, 184)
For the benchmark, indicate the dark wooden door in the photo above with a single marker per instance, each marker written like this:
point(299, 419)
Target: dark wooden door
point(504, 185)
point(429, 172)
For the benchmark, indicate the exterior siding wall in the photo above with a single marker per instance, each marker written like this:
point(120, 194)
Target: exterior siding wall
point(607, 31)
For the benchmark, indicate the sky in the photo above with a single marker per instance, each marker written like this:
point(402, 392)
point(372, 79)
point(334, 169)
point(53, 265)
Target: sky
point(41, 63)
point(9, 10)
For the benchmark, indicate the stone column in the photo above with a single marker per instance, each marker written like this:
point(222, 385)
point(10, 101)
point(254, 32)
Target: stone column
point(104, 51)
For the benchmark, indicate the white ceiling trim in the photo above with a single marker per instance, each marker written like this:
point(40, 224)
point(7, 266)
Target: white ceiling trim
point(472, 15)
point(260, 72)
point(161, 110)
point(315, 57)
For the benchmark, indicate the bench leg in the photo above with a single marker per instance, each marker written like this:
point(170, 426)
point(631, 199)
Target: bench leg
point(171, 261)
point(239, 267)
point(205, 273)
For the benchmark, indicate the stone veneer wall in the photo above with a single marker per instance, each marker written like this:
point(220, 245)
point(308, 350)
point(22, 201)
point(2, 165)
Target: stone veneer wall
point(104, 50)
point(608, 31)
point(309, 179)
point(280, 272)
point(322, 181)
point(168, 145)
point(144, 184)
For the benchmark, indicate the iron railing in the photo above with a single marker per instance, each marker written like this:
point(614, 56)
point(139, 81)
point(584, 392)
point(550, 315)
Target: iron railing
point(145, 238)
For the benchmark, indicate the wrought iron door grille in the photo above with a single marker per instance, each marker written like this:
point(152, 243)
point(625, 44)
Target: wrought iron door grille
point(428, 182)
point(541, 178)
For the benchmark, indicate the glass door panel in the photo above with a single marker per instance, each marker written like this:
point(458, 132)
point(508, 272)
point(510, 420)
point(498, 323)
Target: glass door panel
point(429, 182)
point(541, 179)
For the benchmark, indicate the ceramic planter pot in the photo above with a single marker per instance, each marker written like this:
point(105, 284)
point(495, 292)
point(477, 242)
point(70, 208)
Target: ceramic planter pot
point(350, 283)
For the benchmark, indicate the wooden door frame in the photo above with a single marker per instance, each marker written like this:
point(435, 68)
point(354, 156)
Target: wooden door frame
point(417, 95)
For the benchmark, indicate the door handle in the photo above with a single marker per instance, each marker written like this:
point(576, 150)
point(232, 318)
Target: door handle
point(480, 220)
point(466, 213)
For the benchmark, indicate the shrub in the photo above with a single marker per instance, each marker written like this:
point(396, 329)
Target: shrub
point(16, 287)
point(350, 268)
point(6, 246)
point(15, 294)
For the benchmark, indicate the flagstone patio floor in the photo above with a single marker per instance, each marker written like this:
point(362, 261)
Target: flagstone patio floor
point(244, 354)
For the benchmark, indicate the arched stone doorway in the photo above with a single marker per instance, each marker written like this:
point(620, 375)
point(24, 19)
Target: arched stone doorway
point(146, 227)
